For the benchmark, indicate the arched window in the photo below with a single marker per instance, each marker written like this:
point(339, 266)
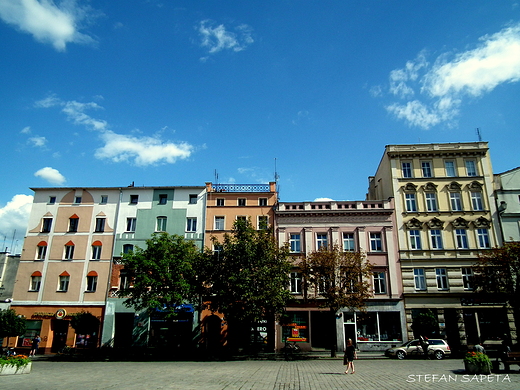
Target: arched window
point(41, 251)
point(92, 278)
point(36, 281)
point(96, 250)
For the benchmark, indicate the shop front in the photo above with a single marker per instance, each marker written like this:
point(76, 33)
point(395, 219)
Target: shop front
point(52, 323)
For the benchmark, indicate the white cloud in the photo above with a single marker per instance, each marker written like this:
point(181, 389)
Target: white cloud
point(141, 150)
point(38, 141)
point(14, 216)
point(444, 86)
point(46, 21)
point(216, 38)
point(52, 175)
point(323, 200)
point(26, 130)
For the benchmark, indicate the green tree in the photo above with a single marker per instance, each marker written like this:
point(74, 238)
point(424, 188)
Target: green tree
point(10, 324)
point(246, 280)
point(336, 279)
point(425, 324)
point(162, 275)
point(497, 273)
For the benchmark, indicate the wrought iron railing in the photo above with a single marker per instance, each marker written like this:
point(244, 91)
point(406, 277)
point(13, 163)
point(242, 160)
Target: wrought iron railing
point(240, 188)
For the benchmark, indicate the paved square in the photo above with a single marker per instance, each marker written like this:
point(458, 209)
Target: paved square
point(317, 374)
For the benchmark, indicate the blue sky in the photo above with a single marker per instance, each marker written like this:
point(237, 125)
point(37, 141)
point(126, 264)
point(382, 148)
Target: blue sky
point(106, 93)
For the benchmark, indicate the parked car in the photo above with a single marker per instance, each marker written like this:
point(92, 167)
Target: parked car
point(437, 349)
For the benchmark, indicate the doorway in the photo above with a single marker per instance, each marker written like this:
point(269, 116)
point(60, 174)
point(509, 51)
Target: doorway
point(60, 329)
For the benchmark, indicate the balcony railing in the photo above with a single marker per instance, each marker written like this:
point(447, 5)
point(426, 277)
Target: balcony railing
point(240, 188)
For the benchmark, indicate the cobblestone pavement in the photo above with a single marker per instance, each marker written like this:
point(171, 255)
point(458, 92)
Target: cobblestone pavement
point(318, 374)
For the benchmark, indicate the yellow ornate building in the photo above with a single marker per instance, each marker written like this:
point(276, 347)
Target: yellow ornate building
point(445, 216)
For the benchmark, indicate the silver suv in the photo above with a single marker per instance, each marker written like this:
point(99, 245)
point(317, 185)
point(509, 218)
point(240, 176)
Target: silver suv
point(437, 349)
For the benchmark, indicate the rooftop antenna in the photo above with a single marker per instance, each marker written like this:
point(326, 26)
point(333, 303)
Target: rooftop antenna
point(479, 135)
point(12, 242)
point(276, 177)
point(216, 177)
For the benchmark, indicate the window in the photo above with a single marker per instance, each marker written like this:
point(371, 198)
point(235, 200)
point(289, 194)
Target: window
point(217, 249)
point(262, 201)
point(348, 242)
point(219, 223)
point(134, 199)
point(41, 251)
point(241, 201)
point(415, 239)
point(295, 243)
point(471, 168)
point(77, 199)
point(191, 224)
point(436, 237)
point(220, 201)
point(476, 201)
point(73, 223)
point(263, 222)
point(455, 201)
point(52, 199)
point(379, 283)
point(127, 248)
point(46, 225)
point(296, 283)
point(411, 204)
point(450, 168)
point(91, 281)
point(431, 201)
point(64, 282)
point(96, 250)
point(124, 280)
point(376, 244)
point(193, 199)
point(407, 169)
point(100, 225)
point(161, 224)
point(104, 199)
point(483, 238)
point(36, 281)
point(419, 279)
point(321, 240)
point(69, 251)
point(442, 278)
point(461, 239)
point(163, 198)
point(467, 278)
point(426, 168)
point(130, 224)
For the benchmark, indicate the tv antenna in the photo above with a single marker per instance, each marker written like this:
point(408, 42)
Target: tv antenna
point(479, 135)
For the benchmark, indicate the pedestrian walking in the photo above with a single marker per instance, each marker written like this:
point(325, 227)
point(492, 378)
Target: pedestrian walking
point(350, 355)
point(35, 345)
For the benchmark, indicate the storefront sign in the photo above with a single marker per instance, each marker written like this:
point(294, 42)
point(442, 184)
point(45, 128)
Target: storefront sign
point(60, 314)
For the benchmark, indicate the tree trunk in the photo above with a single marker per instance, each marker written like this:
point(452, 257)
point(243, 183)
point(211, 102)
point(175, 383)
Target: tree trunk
point(334, 344)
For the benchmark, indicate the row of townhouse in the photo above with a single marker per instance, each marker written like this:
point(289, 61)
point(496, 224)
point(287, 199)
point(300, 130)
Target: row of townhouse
point(430, 210)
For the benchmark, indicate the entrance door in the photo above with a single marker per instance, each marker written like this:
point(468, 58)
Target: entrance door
point(60, 329)
point(350, 333)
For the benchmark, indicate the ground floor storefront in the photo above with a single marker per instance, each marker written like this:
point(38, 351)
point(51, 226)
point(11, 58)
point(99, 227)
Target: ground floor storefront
point(53, 324)
point(464, 323)
point(381, 326)
point(124, 327)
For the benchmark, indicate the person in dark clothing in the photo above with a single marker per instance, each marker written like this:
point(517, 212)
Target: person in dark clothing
point(424, 345)
point(350, 355)
point(35, 345)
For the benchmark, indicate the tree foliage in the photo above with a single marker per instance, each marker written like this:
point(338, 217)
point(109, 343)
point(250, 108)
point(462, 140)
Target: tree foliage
point(162, 275)
point(248, 277)
point(85, 322)
point(10, 324)
point(337, 279)
point(498, 272)
point(425, 324)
